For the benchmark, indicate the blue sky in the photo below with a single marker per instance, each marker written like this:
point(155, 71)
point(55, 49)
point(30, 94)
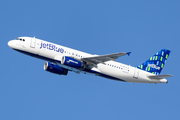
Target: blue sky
point(96, 27)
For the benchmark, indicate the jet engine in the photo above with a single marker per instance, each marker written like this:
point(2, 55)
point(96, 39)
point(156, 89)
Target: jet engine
point(53, 68)
point(72, 62)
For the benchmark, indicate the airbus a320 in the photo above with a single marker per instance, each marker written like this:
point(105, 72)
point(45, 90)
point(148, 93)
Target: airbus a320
point(61, 60)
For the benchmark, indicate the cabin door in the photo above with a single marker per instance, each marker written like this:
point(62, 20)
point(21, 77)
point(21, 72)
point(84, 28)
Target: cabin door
point(136, 73)
point(33, 43)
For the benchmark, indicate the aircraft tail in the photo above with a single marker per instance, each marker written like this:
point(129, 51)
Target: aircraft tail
point(156, 63)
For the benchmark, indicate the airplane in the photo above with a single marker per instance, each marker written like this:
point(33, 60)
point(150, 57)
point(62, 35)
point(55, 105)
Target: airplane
point(61, 60)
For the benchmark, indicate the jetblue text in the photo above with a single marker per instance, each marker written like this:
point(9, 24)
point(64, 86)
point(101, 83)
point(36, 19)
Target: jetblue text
point(51, 47)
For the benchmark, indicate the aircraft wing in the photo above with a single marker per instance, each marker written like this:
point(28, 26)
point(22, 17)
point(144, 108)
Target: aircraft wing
point(104, 58)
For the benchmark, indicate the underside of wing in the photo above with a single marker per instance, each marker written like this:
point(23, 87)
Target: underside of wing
point(104, 58)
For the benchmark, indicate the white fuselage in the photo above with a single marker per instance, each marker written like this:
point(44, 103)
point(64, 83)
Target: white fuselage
point(52, 52)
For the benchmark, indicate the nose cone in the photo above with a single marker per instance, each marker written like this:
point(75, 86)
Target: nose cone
point(11, 44)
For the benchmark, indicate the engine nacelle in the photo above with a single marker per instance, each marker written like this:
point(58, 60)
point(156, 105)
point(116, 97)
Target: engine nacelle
point(53, 68)
point(71, 62)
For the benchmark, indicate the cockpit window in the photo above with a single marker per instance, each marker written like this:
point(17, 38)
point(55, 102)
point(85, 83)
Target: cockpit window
point(20, 39)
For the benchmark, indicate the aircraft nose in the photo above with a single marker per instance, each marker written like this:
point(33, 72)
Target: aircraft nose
point(11, 44)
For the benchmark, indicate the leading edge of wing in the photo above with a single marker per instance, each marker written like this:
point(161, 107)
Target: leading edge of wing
point(104, 58)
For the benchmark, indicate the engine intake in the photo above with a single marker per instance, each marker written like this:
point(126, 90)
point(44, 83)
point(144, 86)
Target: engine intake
point(53, 68)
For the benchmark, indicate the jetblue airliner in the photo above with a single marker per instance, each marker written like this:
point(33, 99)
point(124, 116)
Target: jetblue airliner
point(61, 60)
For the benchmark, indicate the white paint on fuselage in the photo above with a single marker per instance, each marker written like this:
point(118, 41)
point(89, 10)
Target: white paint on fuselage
point(111, 68)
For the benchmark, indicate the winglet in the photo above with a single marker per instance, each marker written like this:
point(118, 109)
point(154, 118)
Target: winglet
point(128, 53)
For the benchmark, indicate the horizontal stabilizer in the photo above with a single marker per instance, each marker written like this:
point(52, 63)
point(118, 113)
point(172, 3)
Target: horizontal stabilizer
point(159, 76)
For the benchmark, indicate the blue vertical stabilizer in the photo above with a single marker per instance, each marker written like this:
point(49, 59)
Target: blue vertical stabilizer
point(156, 63)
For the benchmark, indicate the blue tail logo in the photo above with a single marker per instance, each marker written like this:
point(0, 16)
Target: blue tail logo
point(156, 63)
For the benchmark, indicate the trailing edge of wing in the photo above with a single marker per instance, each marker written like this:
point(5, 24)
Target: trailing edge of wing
point(159, 76)
point(104, 58)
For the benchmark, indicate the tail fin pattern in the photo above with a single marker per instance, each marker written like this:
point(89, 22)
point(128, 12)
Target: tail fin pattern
point(156, 63)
